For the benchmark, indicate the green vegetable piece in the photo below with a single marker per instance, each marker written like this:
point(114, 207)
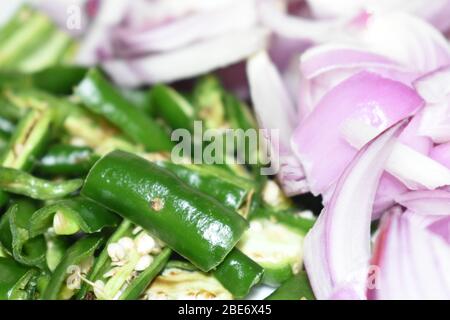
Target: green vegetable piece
point(59, 79)
point(79, 212)
point(75, 255)
point(16, 239)
point(28, 140)
point(14, 279)
point(208, 102)
point(32, 32)
point(295, 288)
point(193, 224)
point(180, 284)
point(238, 273)
point(172, 107)
point(103, 99)
point(135, 289)
point(20, 182)
point(228, 189)
point(67, 160)
point(275, 247)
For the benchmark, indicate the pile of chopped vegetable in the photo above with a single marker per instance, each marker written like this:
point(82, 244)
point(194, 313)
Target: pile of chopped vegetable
point(93, 206)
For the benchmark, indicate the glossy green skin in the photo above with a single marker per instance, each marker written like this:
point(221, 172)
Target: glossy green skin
point(15, 238)
point(22, 183)
point(102, 98)
point(59, 79)
point(67, 160)
point(88, 215)
point(138, 285)
point(295, 288)
point(275, 275)
point(228, 189)
point(81, 250)
point(172, 107)
point(238, 273)
point(13, 278)
point(195, 225)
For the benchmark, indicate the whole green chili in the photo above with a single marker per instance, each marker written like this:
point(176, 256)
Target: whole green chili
point(193, 224)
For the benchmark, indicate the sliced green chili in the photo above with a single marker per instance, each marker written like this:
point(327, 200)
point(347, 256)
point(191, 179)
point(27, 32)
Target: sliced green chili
point(20, 182)
point(193, 224)
point(135, 289)
point(68, 216)
point(103, 99)
point(230, 190)
point(208, 102)
point(238, 273)
point(295, 288)
point(30, 35)
point(59, 79)
point(172, 107)
point(67, 160)
point(14, 279)
point(83, 249)
point(15, 237)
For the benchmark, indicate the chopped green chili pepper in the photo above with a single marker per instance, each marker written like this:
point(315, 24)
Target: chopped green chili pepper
point(58, 79)
point(72, 266)
point(21, 16)
point(47, 54)
point(68, 216)
point(15, 237)
point(103, 99)
point(14, 280)
point(193, 224)
point(141, 99)
point(96, 133)
point(230, 190)
point(26, 38)
point(182, 284)
point(172, 107)
point(208, 102)
point(67, 160)
point(20, 182)
point(28, 140)
point(295, 288)
point(238, 273)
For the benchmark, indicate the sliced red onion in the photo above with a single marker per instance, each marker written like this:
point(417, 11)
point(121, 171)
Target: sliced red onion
point(365, 97)
point(429, 202)
point(441, 153)
point(337, 249)
point(408, 40)
point(273, 14)
point(275, 111)
point(185, 30)
point(435, 89)
point(197, 58)
point(323, 67)
point(441, 228)
point(413, 168)
point(436, 12)
point(412, 262)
